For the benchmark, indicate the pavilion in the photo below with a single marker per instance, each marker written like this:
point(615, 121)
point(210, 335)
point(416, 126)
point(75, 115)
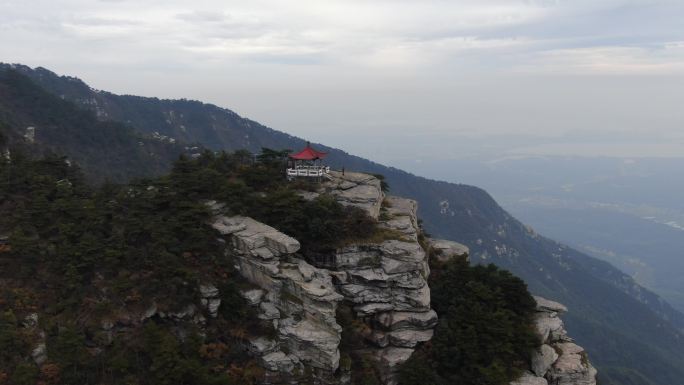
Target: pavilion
point(307, 163)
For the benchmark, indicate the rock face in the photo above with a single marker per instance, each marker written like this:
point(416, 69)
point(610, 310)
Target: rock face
point(543, 359)
point(558, 361)
point(356, 189)
point(572, 367)
point(210, 298)
point(530, 379)
point(386, 281)
point(298, 298)
point(445, 250)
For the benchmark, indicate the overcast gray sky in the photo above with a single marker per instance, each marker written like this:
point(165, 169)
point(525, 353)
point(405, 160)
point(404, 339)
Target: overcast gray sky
point(382, 78)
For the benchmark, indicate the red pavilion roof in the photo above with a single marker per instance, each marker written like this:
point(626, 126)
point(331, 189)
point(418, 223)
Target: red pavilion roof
point(308, 153)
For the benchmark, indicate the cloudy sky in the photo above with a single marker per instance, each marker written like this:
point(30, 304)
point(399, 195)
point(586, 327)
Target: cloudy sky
point(385, 79)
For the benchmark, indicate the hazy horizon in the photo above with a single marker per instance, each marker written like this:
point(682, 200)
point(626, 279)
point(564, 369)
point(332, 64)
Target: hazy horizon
point(392, 81)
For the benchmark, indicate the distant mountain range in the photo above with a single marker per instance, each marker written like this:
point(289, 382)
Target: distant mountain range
point(632, 335)
point(626, 211)
point(106, 149)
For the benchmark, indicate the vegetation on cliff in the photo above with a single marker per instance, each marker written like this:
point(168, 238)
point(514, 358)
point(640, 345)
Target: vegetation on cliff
point(485, 334)
point(82, 255)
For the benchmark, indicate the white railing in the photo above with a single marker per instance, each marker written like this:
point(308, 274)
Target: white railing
point(308, 171)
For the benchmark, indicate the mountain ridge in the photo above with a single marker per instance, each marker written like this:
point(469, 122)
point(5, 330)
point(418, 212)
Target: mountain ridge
point(615, 323)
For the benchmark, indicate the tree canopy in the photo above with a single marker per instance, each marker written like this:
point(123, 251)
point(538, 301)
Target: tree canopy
point(484, 335)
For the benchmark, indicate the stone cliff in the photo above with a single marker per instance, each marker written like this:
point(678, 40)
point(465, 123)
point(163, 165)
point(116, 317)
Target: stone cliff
point(298, 298)
point(386, 280)
point(383, 280)
point(558, 361)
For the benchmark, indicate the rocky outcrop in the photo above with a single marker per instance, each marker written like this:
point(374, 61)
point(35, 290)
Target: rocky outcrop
point(356, 189)
point(543, 359)
point(443, 250)
point(572, 366)
point(210, 298)
point(254, 238)
point(386, 280)
point(297, 297)
point(530, 379)
point(383, 280)
point(558, 361)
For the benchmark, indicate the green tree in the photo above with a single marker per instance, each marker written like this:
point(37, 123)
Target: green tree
point(485, 334)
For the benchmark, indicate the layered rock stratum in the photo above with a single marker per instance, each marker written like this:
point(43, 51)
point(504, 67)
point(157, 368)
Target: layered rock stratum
point(297, 297)
point(385, 281)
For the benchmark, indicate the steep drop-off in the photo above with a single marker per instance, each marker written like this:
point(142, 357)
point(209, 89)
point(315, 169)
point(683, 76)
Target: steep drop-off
point(385, 281)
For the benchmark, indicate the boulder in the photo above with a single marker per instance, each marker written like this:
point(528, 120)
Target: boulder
point(213, 305)
point(558, 361)
point(253, 296)
point(255, 238)
point(261, 346)
point(572, 366)
point(210, 298)
point(530, 379)
point(39, 354)
point(208, 291)
point(445, 250)
point(30, 320)
point(279, 362)
point(150, 312)
point(549, 327)
point(542, 359)
point(546, 305)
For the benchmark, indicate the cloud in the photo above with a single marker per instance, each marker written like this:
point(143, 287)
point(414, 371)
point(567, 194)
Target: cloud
point(402, 34)
point(443, 68)
point(666, 58)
